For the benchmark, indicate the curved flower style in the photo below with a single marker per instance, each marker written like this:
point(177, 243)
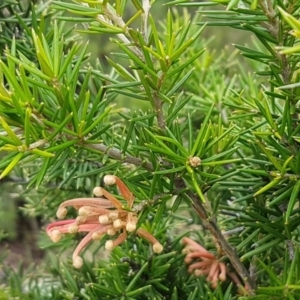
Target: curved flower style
point(203, 262)
point(100, 216)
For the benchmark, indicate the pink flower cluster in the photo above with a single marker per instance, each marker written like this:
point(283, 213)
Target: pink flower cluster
point(203, 262)
point(99, 216)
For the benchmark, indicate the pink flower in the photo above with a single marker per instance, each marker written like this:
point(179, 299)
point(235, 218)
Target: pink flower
point(100, 216)
point(203, 262)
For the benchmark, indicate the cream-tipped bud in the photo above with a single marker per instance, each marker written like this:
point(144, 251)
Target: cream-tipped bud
point(157, 247)
point(97, 236)
point(80, 219)
point(83, 211)
point(109, 245)
point(131, 226)
point(97, 191)
point(118, 224)
point(104, 220)
point(73, 228)
point(109, 180)
point(187, 260)
point(77, 262)
point(61, 212)
point(55, 235)
point(185, 250)
point(113, 215)
point(111, 231)
point(222, 277)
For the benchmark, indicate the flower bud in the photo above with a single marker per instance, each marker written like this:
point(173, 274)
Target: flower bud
point(77, 262)
point(80, 219)
point(109, 179)
point(96, 236)
point(55, 235)
point(113, 215)
point(109, 245)
point(61, 212)
point(73, 228)
point(83, 211)
point(97, 191)
point(104, 220)
point(131, 226)
point(118, 224)
point(222, 275)
point(111, 231)
point(157, 248)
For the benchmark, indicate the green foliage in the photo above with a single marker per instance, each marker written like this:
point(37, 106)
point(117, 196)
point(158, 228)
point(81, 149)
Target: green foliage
point(198, 136)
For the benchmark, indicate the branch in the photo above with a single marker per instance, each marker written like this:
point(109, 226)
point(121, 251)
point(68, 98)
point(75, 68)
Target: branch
point(111, 14)
point(118, 155)
point(146, 8)
point(13, 179)
point(273, 26)
point(158, 104)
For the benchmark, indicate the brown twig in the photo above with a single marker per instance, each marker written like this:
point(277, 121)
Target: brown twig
point(159, 113)
point(273, 25)
point(118, 155)
point(158, 104)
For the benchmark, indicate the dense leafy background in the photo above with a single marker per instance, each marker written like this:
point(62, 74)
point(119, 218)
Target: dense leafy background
point(68, 117)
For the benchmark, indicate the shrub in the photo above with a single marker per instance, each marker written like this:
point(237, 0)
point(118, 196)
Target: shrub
point(202, 146)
